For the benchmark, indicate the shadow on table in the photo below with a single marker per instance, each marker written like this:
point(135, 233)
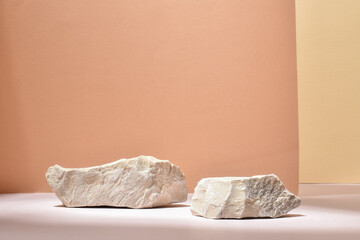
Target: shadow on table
point(250, 218)
point(176, 205)
point(292, 215)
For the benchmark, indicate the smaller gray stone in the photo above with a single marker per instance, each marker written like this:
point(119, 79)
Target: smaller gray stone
point(242, 197)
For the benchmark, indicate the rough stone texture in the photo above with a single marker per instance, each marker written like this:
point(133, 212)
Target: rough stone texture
point(242, 197)
point(140, 182)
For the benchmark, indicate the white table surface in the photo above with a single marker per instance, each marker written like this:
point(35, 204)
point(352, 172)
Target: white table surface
point(328, 211)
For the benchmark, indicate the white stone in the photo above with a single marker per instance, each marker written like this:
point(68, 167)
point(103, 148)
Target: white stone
point(140, 182)
point(242, 197)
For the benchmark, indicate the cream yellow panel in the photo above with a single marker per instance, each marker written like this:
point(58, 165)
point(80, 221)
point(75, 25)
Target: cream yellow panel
point(328, 51)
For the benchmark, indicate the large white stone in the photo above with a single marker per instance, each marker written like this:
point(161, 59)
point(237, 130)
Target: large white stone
point(140, 182)
point(242, 197)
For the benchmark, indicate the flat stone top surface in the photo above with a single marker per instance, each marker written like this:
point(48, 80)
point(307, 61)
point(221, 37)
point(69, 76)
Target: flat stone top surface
point(233, 178)
point(328, 211)
point(151, 159)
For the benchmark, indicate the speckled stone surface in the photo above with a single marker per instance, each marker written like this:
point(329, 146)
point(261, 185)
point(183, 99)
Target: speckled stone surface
point(242, 197)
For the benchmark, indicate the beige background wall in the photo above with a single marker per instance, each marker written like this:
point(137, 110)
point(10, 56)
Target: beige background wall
point(208, 84)
point(328, 51)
